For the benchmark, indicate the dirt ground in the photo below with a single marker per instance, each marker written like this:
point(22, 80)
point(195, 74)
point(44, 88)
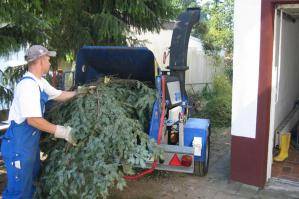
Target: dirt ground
point(216, 185)
point(177, 185)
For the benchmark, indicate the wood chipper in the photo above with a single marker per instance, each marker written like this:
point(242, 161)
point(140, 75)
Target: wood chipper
point(185, 141)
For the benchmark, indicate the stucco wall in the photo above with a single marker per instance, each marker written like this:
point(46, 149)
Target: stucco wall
point(202, 68)
point(247, 20)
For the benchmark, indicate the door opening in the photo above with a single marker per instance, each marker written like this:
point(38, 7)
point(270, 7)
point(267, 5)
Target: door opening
point(284, 112)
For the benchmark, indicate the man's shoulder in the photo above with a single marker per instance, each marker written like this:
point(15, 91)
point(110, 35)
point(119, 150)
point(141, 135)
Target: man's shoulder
point(44, 81)
point(27, 84)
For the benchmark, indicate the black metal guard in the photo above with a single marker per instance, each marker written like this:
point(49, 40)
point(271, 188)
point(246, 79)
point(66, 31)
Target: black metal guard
point(179, 44)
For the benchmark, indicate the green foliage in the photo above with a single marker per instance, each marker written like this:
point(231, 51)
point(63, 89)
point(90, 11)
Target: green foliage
point(221, 86)
point(5, 97)
point(216, 32)
point(218, 109)
point(109, 126)
point(182, 5)
point(68, 25)
point(216, 27)
point(206, 92)
point(8, 81)
point(12, 74)
point(21, 22)
point(229, 72)
point(104, 22)
point(215, 103)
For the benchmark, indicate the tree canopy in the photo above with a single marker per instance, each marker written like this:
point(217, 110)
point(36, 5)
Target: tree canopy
point(66, 25)
point(216, 27)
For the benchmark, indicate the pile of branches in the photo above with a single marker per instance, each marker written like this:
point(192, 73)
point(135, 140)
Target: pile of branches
point(110, 125)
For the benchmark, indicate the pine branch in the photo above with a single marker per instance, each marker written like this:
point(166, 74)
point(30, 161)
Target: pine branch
point(111, 127)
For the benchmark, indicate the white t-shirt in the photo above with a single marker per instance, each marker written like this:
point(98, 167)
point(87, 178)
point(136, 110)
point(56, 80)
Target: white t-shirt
point(26, 102)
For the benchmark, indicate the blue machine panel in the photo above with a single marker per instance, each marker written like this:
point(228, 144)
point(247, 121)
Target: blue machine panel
point(196, 127)
point(155, 121)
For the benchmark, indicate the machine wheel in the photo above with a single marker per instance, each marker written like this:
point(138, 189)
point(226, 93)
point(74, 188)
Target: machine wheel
point(201, 168)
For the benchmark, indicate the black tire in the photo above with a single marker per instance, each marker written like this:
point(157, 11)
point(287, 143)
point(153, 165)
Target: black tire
point(202, 168)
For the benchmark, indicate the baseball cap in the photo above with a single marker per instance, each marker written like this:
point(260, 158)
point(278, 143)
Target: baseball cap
point(36, 51)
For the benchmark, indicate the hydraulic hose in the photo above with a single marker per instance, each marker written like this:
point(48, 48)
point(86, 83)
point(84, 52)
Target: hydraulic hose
point(154, 165)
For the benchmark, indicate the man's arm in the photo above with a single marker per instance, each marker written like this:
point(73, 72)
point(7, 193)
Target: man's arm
point(65, 95)
point(58, 131)
point(41, 124)
point(57, 95)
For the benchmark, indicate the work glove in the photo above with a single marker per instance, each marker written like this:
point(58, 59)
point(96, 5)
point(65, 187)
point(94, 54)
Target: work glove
point(83, 90)
point(64, 133)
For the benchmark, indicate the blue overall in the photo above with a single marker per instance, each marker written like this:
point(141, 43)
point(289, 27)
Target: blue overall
point(21, 155)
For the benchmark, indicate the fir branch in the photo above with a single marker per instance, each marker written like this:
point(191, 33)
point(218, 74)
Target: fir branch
point(109, 133)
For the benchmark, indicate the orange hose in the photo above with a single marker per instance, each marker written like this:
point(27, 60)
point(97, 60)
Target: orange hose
point(154, 165)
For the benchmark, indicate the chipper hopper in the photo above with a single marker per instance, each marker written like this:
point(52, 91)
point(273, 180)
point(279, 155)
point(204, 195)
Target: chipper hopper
point(184, 140)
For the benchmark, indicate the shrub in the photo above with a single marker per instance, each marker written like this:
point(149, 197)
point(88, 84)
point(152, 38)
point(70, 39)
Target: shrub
point(216, 102)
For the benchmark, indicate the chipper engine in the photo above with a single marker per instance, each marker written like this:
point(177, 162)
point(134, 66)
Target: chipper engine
point(184, 140)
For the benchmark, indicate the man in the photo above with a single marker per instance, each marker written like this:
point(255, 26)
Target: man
point(20, 145)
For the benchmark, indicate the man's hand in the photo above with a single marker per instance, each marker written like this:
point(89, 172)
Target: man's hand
point(83, 90)
point(65, 133)
point(65, 96)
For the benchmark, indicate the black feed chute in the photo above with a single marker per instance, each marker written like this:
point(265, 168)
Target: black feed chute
point(94, 62)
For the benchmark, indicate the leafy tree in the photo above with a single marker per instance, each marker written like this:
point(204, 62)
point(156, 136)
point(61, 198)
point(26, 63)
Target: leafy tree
point(216, 25)
point(104, 22)
point(216, 28)
point(21, 23)
point(66, 25)
point(181, 5)
point(69, 24)
point(214, 102)
point(216, 33)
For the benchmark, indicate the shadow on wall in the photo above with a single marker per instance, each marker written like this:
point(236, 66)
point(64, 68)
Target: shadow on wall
point(249, 151)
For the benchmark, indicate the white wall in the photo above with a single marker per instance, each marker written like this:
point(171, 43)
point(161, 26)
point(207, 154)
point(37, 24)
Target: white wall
point(13, 59)
point(275, 61)
point(201, 67)
point(247, 18)
point(202, 70)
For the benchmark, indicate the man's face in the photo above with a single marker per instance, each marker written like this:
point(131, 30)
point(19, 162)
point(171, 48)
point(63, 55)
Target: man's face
point(45, 62)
